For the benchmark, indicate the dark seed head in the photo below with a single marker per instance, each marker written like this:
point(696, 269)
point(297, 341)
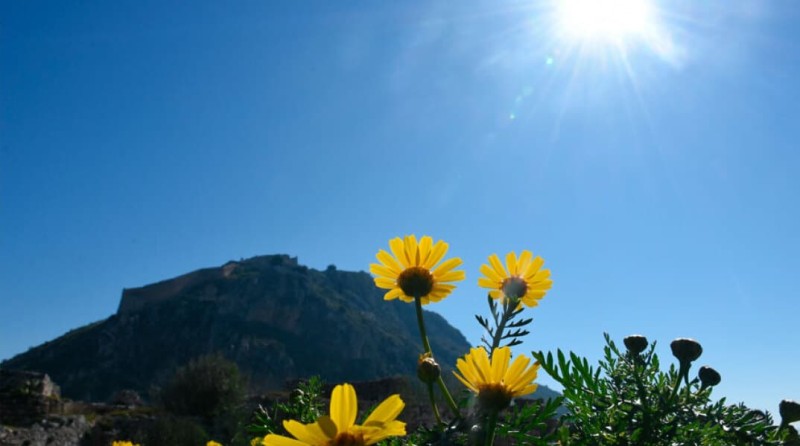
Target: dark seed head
point(515, 287)
point(708, 376)
point(686, 350)
point(348, 439)
point(493, 398)
point(635, 343)
point(790, 411)
point(415, 281)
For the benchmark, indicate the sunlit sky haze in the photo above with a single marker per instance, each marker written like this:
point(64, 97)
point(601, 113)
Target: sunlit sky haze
point(651, 158)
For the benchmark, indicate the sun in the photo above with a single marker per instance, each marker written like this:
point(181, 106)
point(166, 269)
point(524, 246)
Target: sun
point(596, 20)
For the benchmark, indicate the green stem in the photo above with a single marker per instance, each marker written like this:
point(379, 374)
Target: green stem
point(675, 389)
point(448, 398)
point(491, 425)
point(509, 306)
point(427, 345)
point(421, 322)
point(433, 403)
point(638, 370)
point(683, 373)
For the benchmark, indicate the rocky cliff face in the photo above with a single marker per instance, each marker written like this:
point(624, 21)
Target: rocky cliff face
point(26, 397)
point(276, 319)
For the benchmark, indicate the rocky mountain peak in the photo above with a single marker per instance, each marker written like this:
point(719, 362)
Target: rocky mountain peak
point(277, 319)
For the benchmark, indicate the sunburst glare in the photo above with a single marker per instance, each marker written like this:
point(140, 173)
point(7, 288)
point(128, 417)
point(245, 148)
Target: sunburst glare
point(605, 19)
point(616, 24)
point(586, 53)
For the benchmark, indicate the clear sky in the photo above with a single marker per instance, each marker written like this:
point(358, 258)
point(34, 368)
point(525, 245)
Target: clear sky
point(651, 159)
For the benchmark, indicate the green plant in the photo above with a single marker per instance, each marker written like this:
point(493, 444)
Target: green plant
point(531, 422)
point(628, 400)
point(304, 405)
point(625, 400)
point(206, 387)
point(176, 431)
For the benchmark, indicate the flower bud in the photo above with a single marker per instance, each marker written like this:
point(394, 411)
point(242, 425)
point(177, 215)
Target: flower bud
point(790, 411)
point(708, 377)
point(635, 344)
point(428, 369)
point(686, 350)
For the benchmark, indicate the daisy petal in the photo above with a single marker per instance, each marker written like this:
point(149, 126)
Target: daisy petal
point(385, 283)
point(498, 267)
point(524, 262)
point(280, 440)
point(487, 283)
point(466, 383)
point(390, 262)
point(424, 248)
point(446, 266)
point(534, 267)
point(307, 433)
point(500, 358)
point(397, 247)
point(491, 274)
point(387, 411)
point(437, 253)
point(381, 270)
point(343, 407)
point(452, 276)
point(393, 294)
point(511, 262)
point(411, 250)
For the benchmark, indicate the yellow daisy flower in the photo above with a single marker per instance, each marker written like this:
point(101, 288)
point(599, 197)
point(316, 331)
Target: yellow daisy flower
point(524, 278)
point(339, 429)
point(411, 270)
point(493, 380)
point(213, 443)
point(123, 443)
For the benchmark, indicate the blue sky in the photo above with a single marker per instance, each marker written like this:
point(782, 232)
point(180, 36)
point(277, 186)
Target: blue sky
point(655, 172)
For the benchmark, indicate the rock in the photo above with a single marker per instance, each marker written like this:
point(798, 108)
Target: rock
point(26, 397)
point(127, 398)
point(51, 431)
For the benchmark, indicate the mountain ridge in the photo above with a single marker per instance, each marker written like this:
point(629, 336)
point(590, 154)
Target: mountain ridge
point(277, 319)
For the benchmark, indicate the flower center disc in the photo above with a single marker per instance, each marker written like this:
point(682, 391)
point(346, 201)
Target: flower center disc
point(514, 287)
point(493, 397)
point(415, 281)
point(347, 439)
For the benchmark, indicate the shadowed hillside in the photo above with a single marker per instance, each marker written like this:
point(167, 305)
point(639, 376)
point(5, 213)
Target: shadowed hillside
point(276, 319)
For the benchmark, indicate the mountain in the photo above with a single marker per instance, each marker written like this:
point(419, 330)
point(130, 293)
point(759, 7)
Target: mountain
point(276, 319)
